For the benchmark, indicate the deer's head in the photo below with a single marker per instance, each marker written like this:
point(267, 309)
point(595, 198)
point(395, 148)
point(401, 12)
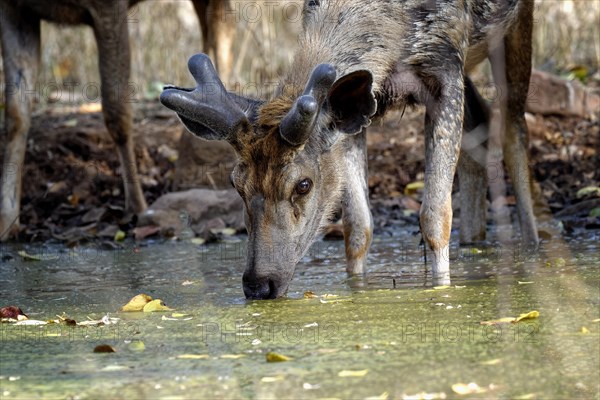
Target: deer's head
point(291, 167)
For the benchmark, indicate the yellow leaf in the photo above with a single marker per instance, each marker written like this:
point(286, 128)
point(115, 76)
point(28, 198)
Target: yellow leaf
point(505, 320)
point(309, 295)
point(529, 315)
point(137, 303)
point(350, 373)
point(232, 356)
point(471, 388)
point(137, 345)
point(596, 320)
point(37, 257)
point(382, 396)
point(495, 361)
point(524, 283)
point(276, 357)
point(156, 305)
point(120, 236)
point(584, 330)
point(588, 190)
point(412, 188)
point(178, 315)
point(269, 379)
point(192, 356)
point(198, 241)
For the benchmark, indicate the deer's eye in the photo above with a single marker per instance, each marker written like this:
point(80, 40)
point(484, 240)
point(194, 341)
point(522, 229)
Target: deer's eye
point(304, 186)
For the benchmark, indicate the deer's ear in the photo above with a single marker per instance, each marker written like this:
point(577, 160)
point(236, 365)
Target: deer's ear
point(352, 102)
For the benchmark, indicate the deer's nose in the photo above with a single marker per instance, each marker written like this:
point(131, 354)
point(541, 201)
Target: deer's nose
point(259, 289)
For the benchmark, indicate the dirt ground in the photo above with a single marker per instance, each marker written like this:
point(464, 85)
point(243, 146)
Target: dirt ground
point(73, 191)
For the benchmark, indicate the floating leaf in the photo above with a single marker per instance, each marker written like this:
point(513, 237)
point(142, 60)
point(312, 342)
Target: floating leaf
point(178, 315)
point(495, 361)
point(232, 356)
point(584, 330)
point(269, 379)
point(31, 322)
point(137, 303)
point(113, 368)
point(471, 388)
point(37, 257)
point(529, 315)
point(353, 373)
point(156, 305)
point(104, 348)
point(198, 241)
point(309, 295)
point(137, 345)
point(276, 357)
point(192, 356)
point(424, 396)
point(382, 396)
point(512, 320)
point(12, 312)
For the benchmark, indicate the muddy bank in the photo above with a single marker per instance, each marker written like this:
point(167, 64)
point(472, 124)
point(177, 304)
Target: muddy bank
point(73, 191)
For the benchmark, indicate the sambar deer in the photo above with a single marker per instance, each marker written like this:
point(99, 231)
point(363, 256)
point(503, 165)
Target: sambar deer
point(303, 153)
point(20, 38)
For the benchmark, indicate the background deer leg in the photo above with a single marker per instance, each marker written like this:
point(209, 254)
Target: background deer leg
point(511, 69)
point(357, 220)
point(112, 37)
point(20, 35)
point(472, 172)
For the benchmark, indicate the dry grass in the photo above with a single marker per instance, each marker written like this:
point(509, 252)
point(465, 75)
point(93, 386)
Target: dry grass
point(164, 33)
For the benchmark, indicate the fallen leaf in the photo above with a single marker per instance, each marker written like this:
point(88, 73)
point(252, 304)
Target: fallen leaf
point(512, 320)
point(524, 283)
point(31, 322)
point(113, 368)
point(232, 356)
point(413, 187)
point(120, 236)
point(495, 361)
point(269, 379)
point(104, 348)
point(588, 190)
point(12, 312)
point(271, 356)
point(37, 257)
point(350, 373)
point(137, 303)
point(309, 295)
point(198, 241)
point(424, 396)
point(471, 388)
point(192, 356)
point(156, 305)
point(137, 345)
point(382, 396)
point(529, 315)
point(584, 330)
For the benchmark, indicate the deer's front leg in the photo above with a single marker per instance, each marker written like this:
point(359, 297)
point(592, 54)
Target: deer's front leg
point(358, 224)
point(443, 131)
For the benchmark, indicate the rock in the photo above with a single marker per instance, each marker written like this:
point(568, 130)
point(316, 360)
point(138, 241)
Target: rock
point(198, 209)
point(550, 94)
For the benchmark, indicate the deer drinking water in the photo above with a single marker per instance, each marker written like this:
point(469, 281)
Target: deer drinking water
point(20, 38)
point(303, 153)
